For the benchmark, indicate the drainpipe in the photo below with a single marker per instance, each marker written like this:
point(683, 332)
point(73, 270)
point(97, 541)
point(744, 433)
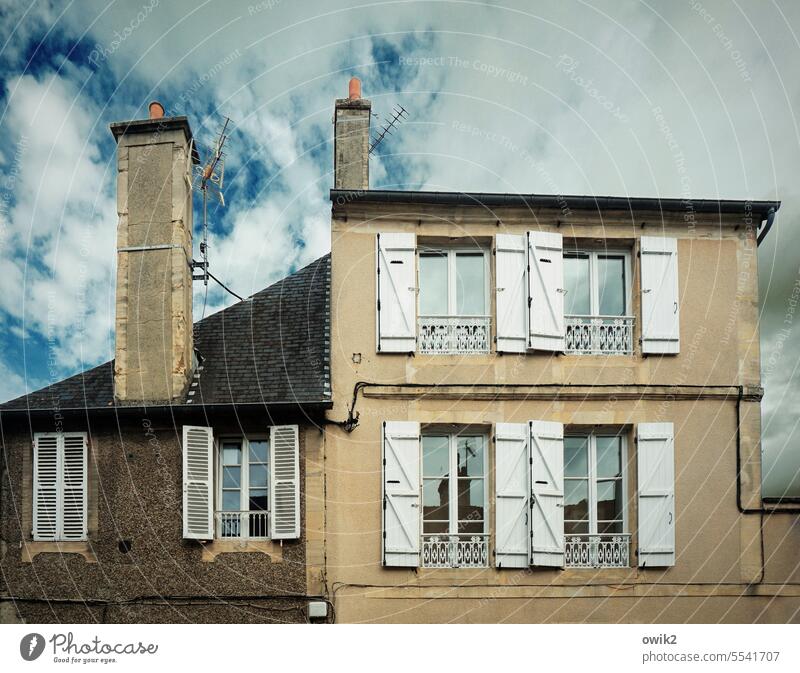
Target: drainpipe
point(767, 226)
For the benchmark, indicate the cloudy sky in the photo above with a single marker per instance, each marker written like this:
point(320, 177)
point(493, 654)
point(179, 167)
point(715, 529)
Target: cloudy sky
point(565, 97)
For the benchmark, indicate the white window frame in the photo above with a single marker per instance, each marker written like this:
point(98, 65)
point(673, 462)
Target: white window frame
point(592, 436)
point(594, 289)
point(244, 500)
point(453, 535)
point(452, 294)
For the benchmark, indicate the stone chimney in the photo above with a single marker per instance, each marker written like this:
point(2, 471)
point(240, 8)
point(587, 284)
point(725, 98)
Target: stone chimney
point(351, 140)
point(154, 346)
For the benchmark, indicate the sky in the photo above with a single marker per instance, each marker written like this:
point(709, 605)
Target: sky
point(671, 99)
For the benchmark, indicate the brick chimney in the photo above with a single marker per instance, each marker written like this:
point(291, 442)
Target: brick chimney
point(154, 347)
point(351, 140)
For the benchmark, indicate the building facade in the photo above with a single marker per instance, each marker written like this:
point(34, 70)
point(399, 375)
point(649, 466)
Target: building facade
point(553, 411)
point(477, 408)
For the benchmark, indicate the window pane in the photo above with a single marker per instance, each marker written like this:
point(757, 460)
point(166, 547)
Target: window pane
point(259, 451)
point(576, 499)
point(609, 456)
point(611, 285)
point(231, 501)
point(231, 477)
point(258, 476)
point(609, 527)
point(576, 527)
point(471, 527)
point(436, 499)
point(576, 461)
point(576, 283)
point(435, 456)
point(432, 284)
point(470, 456)
point(440, 527)
point(231, 454)
point(470, 500)
point(609, 500)
point(470, 283)
point(258, 499)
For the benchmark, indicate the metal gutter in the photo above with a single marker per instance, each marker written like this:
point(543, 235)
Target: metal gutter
point(343, 197)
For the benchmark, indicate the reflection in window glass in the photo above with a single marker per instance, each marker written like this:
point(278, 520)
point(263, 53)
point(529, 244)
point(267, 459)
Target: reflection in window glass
point(611, 285)
point(470, 284)
point(435, 455)
point(609, 456)
point(577, 300)
point(470, 456)
point(576, 457)
point(433, 296)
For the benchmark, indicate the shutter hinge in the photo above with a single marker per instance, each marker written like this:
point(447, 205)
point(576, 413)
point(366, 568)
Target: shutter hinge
point(530, 301)
point(379, 304)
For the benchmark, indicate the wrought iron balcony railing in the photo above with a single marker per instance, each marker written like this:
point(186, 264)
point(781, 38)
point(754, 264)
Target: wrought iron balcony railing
point(610, 550)
point(242, 525)
point(455, 551)
point(599, 334)
point(454, 335)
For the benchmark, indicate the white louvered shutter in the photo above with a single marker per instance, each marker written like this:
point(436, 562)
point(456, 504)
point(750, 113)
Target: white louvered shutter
point(397, 295)
point(512, 293)
point(74, 491)
point(45, 486)
point(547, 493)
point(401, 487)
point(284, 492)
point(655, 454)
point(198, 479)
point(660, 313)
point(512, 483)
point(546, 291)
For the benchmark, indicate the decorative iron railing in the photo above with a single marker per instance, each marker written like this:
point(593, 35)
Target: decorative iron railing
point(455, 551)
point(242, 525)
point(454, 335)
point(599, 334)
point(611, 550)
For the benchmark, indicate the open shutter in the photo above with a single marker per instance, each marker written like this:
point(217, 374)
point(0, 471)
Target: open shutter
point(397, 295)
point(198, 479)
point(547, 493)
point(660, 314)
point(545, 291)
point(401, 486)
point(45, 486)
point(284, 492)
point(512, 293)
point(512, 483)
point(655, 455)
point(73, 498)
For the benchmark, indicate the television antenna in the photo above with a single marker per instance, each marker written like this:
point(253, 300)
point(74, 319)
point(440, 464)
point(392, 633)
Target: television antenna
point(399, 114)
point(209, 178)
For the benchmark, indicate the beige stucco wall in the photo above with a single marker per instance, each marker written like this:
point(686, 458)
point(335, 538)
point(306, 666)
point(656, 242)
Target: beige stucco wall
point(719, 560)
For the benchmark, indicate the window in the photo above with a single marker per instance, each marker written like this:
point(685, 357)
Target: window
point(243, 488)
point(454, 500)
point(453, 301)
point(60, 479)
point(597, 302)
point(595, 525)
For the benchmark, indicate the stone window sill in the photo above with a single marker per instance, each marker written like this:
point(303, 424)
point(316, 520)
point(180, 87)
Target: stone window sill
point(31, 549)
point(213, 549)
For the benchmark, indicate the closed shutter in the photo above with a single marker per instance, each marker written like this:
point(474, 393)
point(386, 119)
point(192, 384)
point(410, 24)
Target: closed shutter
point(547, 493)
point(546, 291)
point(284, 492)
point(512, 483)
point(73, 500)
point(397, 296)
point(45, 486)
point(512, 293)
point(198, 479)
point(401, 486)
point(660, 314)
point(655, 455)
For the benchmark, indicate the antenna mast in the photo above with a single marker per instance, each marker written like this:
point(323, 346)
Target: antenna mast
point(210, 177)
point(399, 114)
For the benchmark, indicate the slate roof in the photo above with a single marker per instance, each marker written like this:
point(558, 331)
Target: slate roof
point(271, 348)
